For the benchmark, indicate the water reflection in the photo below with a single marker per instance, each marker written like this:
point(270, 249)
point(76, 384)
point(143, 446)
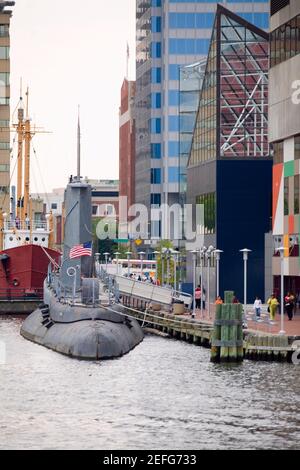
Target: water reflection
point(163, 395)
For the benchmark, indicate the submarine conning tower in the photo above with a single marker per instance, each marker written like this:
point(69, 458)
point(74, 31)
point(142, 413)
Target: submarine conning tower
point(78, 231)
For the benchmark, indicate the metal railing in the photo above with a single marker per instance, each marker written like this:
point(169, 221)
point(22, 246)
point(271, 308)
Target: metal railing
point(25, 225)
point(146, 291)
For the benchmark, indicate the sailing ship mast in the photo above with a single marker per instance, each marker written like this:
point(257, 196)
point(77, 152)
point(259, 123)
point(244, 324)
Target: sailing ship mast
point(25, 135)
point(27, 139)
point(20, 132)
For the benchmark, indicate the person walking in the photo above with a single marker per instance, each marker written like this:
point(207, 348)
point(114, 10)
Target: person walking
point(289, 305)
point(257, 307)
point(198, 297)
point(273, 305)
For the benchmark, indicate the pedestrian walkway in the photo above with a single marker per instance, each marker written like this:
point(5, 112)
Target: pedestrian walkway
point(292, 328)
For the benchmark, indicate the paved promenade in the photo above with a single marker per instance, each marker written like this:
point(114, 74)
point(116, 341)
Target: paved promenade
point(292, 328)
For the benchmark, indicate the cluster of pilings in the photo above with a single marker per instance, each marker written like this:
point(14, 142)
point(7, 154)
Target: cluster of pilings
point(227, 338)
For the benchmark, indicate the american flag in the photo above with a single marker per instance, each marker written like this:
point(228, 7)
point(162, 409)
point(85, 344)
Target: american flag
point(81, 250)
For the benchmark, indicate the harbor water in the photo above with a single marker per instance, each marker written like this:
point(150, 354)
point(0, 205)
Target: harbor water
point(165, 394)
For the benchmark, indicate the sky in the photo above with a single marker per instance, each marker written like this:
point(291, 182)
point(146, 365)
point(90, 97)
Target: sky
point(72, 52)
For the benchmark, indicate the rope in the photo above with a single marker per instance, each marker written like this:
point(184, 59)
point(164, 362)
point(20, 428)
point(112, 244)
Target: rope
point(55, 264)
point(41, 176)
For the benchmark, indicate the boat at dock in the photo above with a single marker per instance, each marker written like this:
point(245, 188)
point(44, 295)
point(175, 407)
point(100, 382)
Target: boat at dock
point(26, 244)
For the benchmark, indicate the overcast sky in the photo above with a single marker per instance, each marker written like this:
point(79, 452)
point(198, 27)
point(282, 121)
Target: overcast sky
point(72, 52)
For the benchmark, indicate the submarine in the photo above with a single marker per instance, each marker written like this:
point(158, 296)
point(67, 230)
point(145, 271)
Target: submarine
point(76, 318)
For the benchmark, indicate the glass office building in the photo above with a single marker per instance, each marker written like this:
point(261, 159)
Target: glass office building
point(229, 171)
point(171, 34)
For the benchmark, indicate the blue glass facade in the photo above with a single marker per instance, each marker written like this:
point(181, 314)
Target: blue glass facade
point(172, 34)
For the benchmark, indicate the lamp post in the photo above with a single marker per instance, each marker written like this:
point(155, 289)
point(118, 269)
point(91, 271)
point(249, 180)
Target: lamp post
point(218, 257)
point(245, 252)
point(281, 252)
point(106, 259)
point(128, 253)
point(141, 254)
point(202, 255)
point(194, 253)
point(175, 254)
point(208, 254)
point(117, 254)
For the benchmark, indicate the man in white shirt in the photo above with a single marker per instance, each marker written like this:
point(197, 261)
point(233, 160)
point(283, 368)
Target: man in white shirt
point(257, 307)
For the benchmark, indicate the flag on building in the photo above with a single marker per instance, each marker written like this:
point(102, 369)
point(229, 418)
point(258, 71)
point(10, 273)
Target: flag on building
point(81, 250)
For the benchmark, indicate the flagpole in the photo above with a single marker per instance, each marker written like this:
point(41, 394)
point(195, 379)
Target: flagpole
point(78, 146)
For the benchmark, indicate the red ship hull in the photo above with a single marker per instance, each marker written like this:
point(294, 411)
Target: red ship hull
point(23, 270)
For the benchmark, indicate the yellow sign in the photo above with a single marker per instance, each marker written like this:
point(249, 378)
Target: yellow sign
point(138, 242)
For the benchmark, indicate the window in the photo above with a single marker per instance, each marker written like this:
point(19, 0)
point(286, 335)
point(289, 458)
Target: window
point(4, 101)
point(188, 46)
point(296, 194)
point(156, 100)
point(209, 202)
point(110, 209)
point(173, 123)
point(156, 50)
point(4, 79)
point(4, 168)
point(155, 175)
point(174, 72)
point(173, 175)
point(4, 53)
point(156, 150)
point(297, 148)
point(54, 206)
point(155, 199)
point(4, 123)
point(156, 24)
point(94, 210)
point(286, 196)
point(173, 148)
point(156, 75)
point(4, 30)
point(155, 126)
point(4, 145)
point(285, 41)
point(173, 98)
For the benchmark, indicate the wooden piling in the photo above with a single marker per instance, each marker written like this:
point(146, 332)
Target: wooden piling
point(216, 336)
point(227, 337)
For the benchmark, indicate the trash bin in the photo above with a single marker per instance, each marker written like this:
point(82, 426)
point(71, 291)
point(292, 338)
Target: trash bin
point(178, 307)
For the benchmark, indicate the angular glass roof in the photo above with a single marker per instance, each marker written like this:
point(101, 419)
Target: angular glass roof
point(232, 119)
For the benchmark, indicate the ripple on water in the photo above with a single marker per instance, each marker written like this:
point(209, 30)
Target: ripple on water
point(163, 395)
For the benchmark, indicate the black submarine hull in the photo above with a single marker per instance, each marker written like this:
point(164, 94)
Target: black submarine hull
point(82, 332)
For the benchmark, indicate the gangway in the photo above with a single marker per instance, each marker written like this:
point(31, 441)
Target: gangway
point(144, 290)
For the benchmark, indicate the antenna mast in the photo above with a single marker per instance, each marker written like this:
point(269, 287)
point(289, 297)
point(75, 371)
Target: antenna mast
point(78, 146)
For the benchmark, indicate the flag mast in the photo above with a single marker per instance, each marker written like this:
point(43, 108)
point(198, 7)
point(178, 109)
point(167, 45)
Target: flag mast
point(78, 146)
